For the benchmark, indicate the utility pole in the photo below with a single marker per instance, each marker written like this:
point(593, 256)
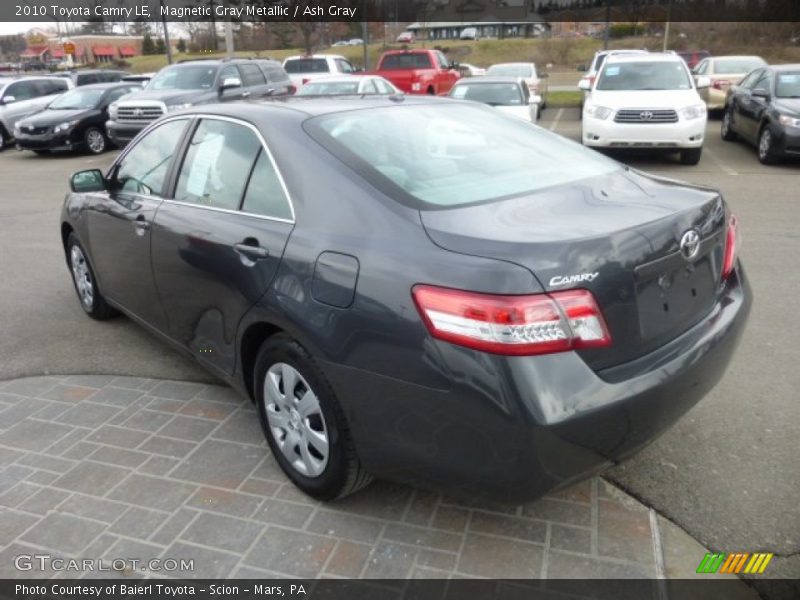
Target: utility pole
point(666, 27)
point(228, 39)
point(166, 35)
point(608, 25)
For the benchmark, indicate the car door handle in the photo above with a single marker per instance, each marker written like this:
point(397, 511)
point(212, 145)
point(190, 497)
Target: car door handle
point(141, 224)
point(250, 251)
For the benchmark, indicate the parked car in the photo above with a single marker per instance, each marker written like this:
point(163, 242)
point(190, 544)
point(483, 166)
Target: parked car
point(509, 95)
point(467, 70)
point(594, 67)
point(469, 33)
point(486, 308)
point(536, 82)
point(303, 69)
point(723, 72)
point(73, 121)
point(418, 71)
point(356, 42)
point(407, 37)
point(692, 57)
point(341, 43)
point(646, 101)
point(190, 83)
point(141, 78)
point(22, 97)
point(764, 109)
point(348, 84)
point(90, 77)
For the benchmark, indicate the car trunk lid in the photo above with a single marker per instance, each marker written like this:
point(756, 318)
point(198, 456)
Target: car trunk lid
point(618, 236)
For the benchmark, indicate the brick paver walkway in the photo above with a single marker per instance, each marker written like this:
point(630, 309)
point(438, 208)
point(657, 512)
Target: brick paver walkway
point(119, 467)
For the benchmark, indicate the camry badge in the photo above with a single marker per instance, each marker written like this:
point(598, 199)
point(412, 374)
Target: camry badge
point(690, 244)
point(571, 279)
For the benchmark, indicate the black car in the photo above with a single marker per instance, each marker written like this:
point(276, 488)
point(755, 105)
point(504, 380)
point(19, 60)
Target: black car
point(764, 109)
point(419, 289)
point(75, 120)
point(195, 82)
point(93, 76)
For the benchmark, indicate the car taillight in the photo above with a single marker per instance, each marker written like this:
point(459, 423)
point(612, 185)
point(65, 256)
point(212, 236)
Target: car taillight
point(292, 89)
point(718, 84)
point(305, 80)
point(513, 325)
point(731, 246)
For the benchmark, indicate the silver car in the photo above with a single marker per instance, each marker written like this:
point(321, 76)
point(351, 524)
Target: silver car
point(22, 97)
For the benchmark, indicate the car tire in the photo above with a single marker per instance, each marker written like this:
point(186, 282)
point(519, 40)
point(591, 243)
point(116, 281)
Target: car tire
point(764, 149)
point(41, 152)
point(95, 141)
point(3, 138)
point(308, 435)
point(85, 282)
point(726, 129)
point(691, 156)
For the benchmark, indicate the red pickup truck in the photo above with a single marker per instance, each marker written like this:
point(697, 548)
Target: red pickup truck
point(418, 71)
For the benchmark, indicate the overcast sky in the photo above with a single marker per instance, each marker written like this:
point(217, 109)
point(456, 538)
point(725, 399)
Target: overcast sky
point(7, 27)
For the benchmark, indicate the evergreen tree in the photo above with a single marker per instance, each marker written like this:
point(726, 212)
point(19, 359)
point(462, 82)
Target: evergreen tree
point(148, 47)
point(161, 47)
point(181, 45)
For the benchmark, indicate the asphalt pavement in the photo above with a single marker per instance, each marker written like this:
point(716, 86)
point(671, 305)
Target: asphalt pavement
point(727, 473)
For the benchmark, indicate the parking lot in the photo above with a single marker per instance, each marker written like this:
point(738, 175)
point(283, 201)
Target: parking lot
point(726, 474)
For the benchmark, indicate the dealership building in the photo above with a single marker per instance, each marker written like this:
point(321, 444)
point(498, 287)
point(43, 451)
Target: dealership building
point(89, 49)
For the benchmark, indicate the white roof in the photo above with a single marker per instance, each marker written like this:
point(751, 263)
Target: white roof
point(646, 57)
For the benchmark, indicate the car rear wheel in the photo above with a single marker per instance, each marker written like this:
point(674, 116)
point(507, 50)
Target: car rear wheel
point(3, 138)
point(83, 278)
point(95, 140)
point(766, 152)
point(304, 423)
point(691, 156)
point(728, 134)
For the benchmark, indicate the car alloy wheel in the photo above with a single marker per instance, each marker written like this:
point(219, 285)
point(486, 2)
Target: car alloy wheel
point(82, 277)
point(727, 129)
point(765, 146)
point(95, 141)
point(296, 420)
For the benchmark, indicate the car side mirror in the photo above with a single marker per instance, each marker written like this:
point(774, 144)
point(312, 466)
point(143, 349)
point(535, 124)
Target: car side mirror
point(230, 82)
point(9, 99)
point(584, 85)
point(702, 81)
point(760, 93)
point(534, 99)
point(454, 65)
point(91, 180)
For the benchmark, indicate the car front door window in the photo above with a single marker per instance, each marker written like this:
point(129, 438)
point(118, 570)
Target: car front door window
point(144, 168)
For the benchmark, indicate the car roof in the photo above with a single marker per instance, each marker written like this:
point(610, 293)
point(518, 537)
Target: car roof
point(786, 67)
point(489, 79)
point(736, 57)
point(646, 57)
point(301, 56)
point(505, 64)
point(621, 51)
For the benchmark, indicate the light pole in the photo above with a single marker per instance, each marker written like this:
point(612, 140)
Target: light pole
point(166, 34)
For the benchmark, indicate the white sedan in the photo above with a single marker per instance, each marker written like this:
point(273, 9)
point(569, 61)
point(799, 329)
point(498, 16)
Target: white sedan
point(348, 84)
point(507, 94)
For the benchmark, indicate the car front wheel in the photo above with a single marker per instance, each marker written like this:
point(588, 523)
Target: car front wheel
point(304, 423)
point(83, 278)
point(766, 150)
point(95, 140)
point(728, 134)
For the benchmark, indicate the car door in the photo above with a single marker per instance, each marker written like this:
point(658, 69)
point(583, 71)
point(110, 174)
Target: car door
point(738, 96)
point(752, 107)
point(219, 238)
point(254, 82)
point(235, 93)
point(120, 222)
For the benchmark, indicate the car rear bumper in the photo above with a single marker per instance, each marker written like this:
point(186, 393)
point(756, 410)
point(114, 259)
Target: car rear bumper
point(121, 134)
point(716, 98)
point(513, 428)
point(606, 133)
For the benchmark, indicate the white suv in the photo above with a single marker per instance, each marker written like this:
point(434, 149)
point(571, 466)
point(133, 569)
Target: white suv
point(646, 101)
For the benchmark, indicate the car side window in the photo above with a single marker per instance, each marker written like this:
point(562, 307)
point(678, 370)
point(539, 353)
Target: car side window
point(369, 87)
point(22, 90)
point(119, 93)
point(383, 87)
point(702, 67)
point(265, 195)
point(748, 82)
point(276, 74)
point(229, 72)
point(764, 82)
point(217, 165)
point(252, 75)
point(344, 66)
point(88, 79)
point(143, 169)
point(442, 59)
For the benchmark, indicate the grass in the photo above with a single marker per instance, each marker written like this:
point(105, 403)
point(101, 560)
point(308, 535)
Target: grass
point(564, 99)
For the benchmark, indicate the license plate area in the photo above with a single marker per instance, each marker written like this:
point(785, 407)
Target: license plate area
point(673, 294)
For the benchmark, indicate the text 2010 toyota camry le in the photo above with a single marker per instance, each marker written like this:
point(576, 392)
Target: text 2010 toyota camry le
point(416, 289)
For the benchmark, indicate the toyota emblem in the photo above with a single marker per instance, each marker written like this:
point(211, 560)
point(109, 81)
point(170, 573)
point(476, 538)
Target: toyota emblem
point(138, 112)
point(645, 115)
point(690, 244)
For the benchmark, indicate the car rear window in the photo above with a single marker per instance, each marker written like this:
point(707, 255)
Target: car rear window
point(453, 154)
point(510, 71)
point(306, 65)
point(735, 66)
point(405, 61)
point(494, 94)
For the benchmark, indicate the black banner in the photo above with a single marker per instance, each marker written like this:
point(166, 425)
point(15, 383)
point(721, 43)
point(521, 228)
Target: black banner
point(400, 10)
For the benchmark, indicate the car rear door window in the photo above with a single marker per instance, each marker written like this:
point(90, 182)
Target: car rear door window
point(265, 194)
point(22, 90)
point(144, 168)
point(252, 75)
point(218, 164)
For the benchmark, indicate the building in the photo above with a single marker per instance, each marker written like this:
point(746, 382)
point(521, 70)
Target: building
point(45, 46)
point(446, 19)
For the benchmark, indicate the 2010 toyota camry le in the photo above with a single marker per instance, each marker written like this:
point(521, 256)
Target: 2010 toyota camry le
point(417, 289)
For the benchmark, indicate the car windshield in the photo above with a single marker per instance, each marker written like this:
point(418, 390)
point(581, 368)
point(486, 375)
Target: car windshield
point(453, 155)
point(734, 66)
point(183, 78)
point(645, 75)
point(494, 94)
point(788, 85)
point(510, 70)
point(406, 61)
point(328, 87)
point(77, 99)
point(306, 65)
